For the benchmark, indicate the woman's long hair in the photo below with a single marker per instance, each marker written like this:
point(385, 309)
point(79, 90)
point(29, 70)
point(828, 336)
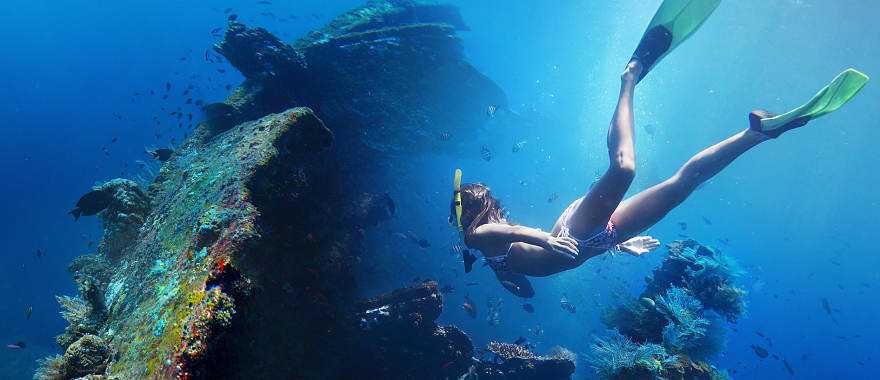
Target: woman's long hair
point(478, 207)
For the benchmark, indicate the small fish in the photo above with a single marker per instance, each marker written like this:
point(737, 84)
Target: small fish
point(510, 285)
point(650, 129)
point(213, 31)
point(38, 255)
point(683, 226)
point(232, 17)
point(485, 153)
point(523, 182)
point(567, 306)
point(16, 346)
point(553, 197)
point(519, 146)
point(706, 220)
point(28, 311)
point(788, 367)
point(469, 307)
point(227, 10)
point(529, 308)
point(827, 307)
point(167, 86)
point(760, 351)
point(472, 284)
point(491, 110)
point(445, 136)
point(161, 154)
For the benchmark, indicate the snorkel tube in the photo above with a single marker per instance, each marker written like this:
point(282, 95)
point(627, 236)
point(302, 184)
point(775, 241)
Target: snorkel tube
point(466, 254)
point(456, 187)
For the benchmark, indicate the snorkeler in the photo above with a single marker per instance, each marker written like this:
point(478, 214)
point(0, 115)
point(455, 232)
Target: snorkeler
point(602, 220)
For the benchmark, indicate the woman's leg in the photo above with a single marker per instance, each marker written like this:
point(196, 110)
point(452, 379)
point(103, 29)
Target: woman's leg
point(643, 210)
point(593, 213)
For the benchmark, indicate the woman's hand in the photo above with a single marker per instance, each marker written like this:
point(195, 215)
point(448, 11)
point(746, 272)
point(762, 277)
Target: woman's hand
point(639, 245)
point(563, 245)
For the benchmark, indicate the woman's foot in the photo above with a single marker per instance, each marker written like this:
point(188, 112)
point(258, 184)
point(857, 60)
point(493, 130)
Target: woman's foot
point(756, 125)
point(632, 72)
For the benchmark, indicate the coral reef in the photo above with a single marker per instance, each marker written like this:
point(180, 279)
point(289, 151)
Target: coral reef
point(86, 356)
point(513, 362)
point(251, 229)
point(676, 324)
point(78, 314)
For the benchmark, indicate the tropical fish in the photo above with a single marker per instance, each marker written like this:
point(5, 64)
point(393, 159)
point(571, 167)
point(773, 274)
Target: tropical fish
point(16, 346)
point(491, 110)
point(91, 203)
point(519, 146)
point(552, 197)
point(567, 306)
point(486, 154)
point(683, 226)
point(760, 351)
point(28, 311)
point(469, 307)
point(161, 154)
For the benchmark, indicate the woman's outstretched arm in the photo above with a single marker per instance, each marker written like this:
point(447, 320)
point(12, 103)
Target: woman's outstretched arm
point(497, 236)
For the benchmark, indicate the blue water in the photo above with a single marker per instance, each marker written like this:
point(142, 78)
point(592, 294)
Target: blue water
point(800, 213)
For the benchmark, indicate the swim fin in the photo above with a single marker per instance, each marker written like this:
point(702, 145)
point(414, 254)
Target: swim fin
point(833, 96)
point(674, 22)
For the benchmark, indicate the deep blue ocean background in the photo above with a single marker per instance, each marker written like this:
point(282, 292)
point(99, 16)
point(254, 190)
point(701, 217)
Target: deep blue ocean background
point(800, 214)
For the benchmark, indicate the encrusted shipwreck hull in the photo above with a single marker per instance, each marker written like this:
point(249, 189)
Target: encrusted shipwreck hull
point(240, 266)
point(190, 280)
point(391, 74)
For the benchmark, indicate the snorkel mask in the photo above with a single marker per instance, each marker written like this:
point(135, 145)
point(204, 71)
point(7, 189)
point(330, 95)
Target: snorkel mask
point(466, 254)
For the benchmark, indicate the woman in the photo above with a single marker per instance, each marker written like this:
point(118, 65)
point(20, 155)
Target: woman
point(601, 220)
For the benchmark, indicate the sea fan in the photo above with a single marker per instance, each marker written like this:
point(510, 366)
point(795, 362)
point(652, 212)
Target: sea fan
point(619, 357)
point(50, 368)
point(689, 331)
point(75, 310)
